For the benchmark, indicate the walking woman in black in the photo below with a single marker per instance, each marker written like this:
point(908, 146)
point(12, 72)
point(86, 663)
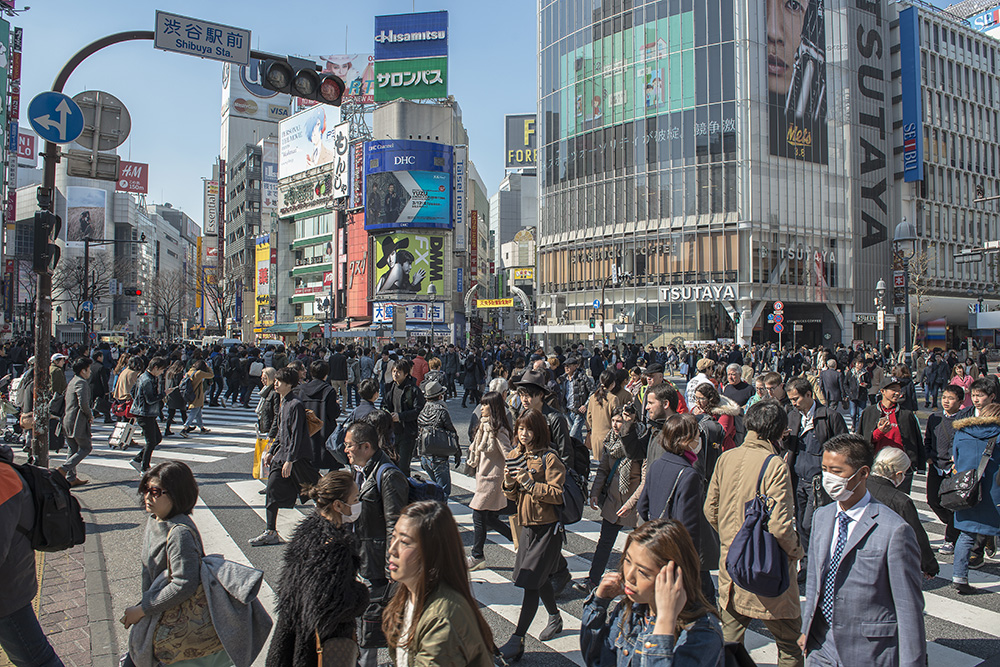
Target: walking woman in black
point(533, 479)
point(175, 401)
point(320, 598)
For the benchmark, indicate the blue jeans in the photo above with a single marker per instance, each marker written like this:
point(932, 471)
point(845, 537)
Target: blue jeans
point(576, 424)
point(24, 642)
point(963, 550)
point(195, 415)
point(439, 471)
point(856, 408)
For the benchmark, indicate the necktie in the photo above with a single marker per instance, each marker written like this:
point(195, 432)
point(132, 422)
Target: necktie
point(830, 580)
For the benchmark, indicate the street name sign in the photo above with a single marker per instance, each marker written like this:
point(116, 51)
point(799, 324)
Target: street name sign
point(55, 117)
point(194, 37)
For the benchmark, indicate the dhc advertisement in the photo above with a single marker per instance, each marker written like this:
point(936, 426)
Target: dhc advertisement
point(408, 184)
point(913, 116)
point(411, 35)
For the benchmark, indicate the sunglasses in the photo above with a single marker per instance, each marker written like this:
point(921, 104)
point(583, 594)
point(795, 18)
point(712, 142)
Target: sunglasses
point(154, 491)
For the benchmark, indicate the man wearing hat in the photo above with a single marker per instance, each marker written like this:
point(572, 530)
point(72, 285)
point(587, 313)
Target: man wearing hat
point(57, 373)
point(434, 416)
point(705, 366)
point(885, 424)
point(576, 387)
point(57, 406)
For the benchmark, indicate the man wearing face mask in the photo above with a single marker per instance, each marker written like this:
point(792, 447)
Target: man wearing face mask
point(863, 604)
point(885, 424)
point(810, 425)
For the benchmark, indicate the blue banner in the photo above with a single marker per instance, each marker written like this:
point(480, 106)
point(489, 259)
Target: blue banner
point(913, 115)
point(411, 35)
point(407, 155)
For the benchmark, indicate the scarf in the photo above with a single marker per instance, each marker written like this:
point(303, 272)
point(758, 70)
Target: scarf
point(485, 440)
point(615, 449)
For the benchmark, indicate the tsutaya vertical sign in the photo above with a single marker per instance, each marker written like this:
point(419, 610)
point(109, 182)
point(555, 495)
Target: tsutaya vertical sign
point(869, 52)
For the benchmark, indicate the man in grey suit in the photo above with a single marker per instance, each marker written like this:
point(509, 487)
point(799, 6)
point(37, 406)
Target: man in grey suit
point(863, 604)
point(832, 382)
point(77, 420)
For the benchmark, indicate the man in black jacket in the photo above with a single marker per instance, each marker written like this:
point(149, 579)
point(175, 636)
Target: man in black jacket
point(937, 444)
point(338, 372)
point(810, 424)
point(832, 382)
point(885, 424)
point(317, 395)
point(404, 401)
point(100, 386)
point(383, 493)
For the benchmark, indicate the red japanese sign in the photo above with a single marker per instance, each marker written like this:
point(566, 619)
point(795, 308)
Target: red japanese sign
point(133, 177)
point(474, 244)
point(26, 152)
point(357, 266)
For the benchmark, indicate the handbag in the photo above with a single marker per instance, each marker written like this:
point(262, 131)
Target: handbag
point(756, 562)
point(669, 504)
point(438, 442)
point(603, 494)
point(186, 632)
point(962, 490)
point(258, 452)
point(336, 652)
point(313, 423)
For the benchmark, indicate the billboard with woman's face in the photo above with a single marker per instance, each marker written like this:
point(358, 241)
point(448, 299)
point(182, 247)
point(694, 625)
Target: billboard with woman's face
point(86, 212)
point(796, 79)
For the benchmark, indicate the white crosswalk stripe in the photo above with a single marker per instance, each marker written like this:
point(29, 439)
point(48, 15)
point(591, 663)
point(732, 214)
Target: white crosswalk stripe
point(233, 435)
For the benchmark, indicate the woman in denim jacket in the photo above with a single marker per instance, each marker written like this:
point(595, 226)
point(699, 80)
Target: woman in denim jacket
point(664, 619)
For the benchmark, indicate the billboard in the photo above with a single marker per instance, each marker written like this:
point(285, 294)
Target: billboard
point(408, 264)
point(243, 96)
point(987, 21)
point(411, 35)
point(86, 214)
point(913, 114)
point(357, 266)
point(269, 179)
point(133, 177)
point(412, 79)
point(796, 81)
point(461, 198)
point(211, 213)
point(519, 141)
point(264, 316)
point(356, 70)
point(310, 139)
point(407, 184)
point(27, 151)
point(524, 274)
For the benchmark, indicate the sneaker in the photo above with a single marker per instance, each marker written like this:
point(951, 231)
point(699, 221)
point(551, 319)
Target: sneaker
point(947, 549)
point(965, 589)
point(976, 562)
point(266, 538)
point(205, 430)
point(136, 464)
point(584, 587)
point(991, 547)
point(475, 563)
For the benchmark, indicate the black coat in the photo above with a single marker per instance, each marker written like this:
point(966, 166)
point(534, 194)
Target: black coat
point(318, 592)
point(267, 422)
point(293, 442)
point(832, 382)
point(909, 429)
point(827, 423)
point(883, 491)
point(939, 434)
point(381, 504)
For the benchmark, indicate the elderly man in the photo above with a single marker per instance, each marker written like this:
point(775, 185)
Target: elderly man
point(832, 382)
point(736, 389)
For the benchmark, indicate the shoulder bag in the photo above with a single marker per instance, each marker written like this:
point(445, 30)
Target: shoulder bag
point(669, 504)
point(963, 491)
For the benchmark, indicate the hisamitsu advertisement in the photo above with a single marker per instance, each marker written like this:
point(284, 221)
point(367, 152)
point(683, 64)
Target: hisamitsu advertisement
point(411, 35)
point(408, 184)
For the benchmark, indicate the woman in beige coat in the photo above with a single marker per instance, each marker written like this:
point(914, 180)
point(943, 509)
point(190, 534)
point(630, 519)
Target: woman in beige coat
point(487, 454)
point(603, 403)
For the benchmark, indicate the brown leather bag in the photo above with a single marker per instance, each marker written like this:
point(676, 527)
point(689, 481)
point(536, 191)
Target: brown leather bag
point(337, 652)
point(313, 423)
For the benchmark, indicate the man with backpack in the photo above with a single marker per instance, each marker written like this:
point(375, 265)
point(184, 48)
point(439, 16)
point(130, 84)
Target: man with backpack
point(383, 492)
point(741, 474)
point(317, 395)
point(21, 636)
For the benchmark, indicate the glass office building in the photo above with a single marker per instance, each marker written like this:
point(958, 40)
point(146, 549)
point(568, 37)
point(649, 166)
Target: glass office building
point(700, 160)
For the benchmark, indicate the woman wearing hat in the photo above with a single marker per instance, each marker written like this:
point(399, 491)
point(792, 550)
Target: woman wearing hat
point(432, 421)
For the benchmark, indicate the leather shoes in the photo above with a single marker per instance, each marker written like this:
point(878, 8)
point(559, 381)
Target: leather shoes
point(965, 589)
point(513, 650)
point(554, 627)
point(79, 482)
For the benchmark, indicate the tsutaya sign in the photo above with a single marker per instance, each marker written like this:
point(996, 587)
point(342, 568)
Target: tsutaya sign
point(709, 292)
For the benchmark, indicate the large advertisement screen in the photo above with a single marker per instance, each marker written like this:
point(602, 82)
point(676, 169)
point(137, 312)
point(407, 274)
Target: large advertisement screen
point(243, 96)
point(264, 316)
point(412, 79)
point(408, 264)
point(411, 35)
point(86, 214)
point(408, 184)
point(796, 80)
point(356, 70)
point(312, 138)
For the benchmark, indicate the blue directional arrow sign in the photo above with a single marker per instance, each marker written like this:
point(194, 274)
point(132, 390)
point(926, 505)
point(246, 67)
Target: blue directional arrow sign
point(55, 117)
point(87, 306)
point(597, 304)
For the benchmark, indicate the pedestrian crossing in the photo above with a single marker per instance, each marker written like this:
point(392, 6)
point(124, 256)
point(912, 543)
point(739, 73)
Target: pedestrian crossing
point(961, 631)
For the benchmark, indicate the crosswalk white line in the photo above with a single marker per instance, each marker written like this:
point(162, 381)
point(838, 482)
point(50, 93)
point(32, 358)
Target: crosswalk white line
point(288, 519)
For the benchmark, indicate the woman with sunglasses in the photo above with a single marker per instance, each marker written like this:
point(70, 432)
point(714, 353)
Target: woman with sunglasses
point(175, 604)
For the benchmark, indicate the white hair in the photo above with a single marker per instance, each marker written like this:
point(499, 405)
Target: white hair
point(499, 385)
point(831, 363)
point(890, 462)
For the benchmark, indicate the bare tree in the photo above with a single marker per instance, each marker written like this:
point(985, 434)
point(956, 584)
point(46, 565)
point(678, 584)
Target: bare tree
point(72, 285)
point(919, 286)
point(217, 300)
point(165, 293)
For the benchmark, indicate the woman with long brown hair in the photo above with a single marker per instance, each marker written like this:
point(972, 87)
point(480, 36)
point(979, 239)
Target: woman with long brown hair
point(663, 617)
point(433, 618)
point(487, 453)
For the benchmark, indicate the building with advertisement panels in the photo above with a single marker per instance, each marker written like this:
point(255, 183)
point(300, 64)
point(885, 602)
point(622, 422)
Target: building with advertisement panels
point(694, 169)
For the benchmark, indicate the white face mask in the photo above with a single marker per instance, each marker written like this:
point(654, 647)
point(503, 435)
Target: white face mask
point(836, 486)
point(353, 516)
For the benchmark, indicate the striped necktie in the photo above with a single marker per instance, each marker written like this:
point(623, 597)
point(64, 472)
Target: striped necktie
point(830, 580)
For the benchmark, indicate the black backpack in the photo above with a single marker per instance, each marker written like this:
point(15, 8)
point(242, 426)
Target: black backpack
point(187, 390)
point(58, 522)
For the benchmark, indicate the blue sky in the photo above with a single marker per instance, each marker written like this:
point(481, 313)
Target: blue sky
point(174, 99)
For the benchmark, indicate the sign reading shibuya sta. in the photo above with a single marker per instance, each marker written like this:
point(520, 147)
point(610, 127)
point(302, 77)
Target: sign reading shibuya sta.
point(708, 292)
point(182, 34)
point(412, 79)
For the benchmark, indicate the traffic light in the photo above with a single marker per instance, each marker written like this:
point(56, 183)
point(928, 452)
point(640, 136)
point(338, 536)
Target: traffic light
point(299, 77)
point(736, 317)
point(593, 323)
point(133, 292)
point(46, 253)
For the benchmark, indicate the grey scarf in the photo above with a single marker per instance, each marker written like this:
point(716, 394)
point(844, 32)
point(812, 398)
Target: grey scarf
point(616, 450)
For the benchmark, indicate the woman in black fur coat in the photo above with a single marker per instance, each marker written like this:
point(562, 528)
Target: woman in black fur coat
point(319, 596)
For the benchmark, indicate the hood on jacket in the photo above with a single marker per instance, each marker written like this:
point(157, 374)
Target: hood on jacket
point(727, 407)
point(313, 389)
point(978, 427)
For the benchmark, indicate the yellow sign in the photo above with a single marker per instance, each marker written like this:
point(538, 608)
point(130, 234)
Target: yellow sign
point(524, 274)
point(494, 303)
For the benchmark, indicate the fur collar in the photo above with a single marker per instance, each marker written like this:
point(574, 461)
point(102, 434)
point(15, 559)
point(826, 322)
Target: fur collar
point(726, 409)
point(976, 421)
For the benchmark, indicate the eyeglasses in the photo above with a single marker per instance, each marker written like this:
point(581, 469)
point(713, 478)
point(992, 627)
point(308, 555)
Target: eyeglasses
point(154, 491)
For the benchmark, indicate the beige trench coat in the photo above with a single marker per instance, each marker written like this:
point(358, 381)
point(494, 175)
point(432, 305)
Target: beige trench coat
point(733, 483)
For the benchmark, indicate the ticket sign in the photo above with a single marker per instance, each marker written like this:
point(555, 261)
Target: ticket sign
point(495, 303)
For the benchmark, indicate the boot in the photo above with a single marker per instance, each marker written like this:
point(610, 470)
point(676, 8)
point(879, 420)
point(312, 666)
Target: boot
point(554, 627)
point(513, 650)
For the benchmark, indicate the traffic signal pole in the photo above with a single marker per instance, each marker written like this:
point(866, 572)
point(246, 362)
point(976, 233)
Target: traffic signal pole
point(47, 202)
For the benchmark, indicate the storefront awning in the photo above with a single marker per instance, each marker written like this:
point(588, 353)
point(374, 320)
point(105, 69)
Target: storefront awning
point(291, 327)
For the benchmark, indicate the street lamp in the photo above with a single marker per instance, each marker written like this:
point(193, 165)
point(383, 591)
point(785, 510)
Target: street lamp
point(905, 241)
point(432, 292)
point(880, 307)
